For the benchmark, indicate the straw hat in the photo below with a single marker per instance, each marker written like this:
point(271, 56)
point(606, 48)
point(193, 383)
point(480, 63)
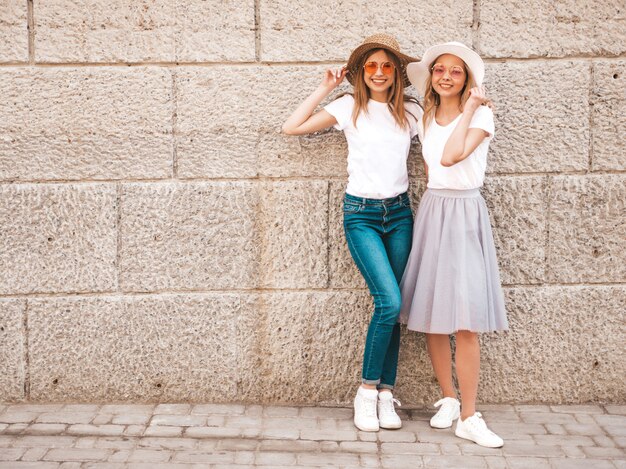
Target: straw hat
point(378, 41)
point(418, 73)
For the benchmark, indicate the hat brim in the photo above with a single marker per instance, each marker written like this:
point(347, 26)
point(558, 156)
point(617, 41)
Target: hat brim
point(365, 48)
point(419, 72)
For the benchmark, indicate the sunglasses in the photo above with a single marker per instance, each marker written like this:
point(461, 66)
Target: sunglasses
point(372, 67)
point(455, 72)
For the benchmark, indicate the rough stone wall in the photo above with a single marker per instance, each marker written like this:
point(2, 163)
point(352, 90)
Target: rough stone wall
point(160, 240)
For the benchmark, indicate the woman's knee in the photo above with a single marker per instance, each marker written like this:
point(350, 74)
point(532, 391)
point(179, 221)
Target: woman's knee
point(467, 337)
point(389, 306)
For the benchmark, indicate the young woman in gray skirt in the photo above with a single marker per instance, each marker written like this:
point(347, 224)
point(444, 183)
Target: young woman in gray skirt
point(451, 284)
point(378, 122)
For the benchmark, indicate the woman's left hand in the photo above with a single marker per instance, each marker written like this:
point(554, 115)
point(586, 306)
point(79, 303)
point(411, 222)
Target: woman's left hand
point(477, 97)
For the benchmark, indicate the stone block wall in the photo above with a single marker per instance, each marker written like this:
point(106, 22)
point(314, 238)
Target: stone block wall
point(160, 240)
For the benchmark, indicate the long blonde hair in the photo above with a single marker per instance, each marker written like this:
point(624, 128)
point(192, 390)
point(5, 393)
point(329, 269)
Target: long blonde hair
point(431, 98)
point(395, 96)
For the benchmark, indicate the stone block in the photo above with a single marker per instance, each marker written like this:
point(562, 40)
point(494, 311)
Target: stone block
point(58, 238)
point(12, 350)
point(328, 30)
point(541, 28)
point(179, 420)
point(77, 454)
point(249, 330)
point(297, 363)
point(554, 323)
point(343, 271)
point(66, 417)
point(217, 121)
point(443, 462)
point(140, 348)
point(608, 115)
point(13, 32)
point(518, 210)
point(188, 236)
point(232, 128)
point(293, 225)
point(587, 226)
point(178, 31)
point(536, 130)
point(85, 123)
point(174, 432)
point(214, 31)
point(96, 430)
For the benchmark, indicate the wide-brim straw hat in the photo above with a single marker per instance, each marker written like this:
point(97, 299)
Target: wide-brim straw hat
point(419, 72)
point(378, 41)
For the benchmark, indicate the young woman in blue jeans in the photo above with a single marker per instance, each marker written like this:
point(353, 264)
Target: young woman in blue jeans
point(379, 123)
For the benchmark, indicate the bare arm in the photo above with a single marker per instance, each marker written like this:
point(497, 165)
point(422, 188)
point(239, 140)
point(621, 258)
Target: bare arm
point(303, 121)
point(463, 140)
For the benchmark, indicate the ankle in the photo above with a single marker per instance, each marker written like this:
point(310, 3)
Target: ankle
point(368, 393)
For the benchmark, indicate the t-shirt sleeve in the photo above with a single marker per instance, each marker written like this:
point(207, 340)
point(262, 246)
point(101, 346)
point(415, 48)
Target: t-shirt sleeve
point(483, 119)
point(341, 110)
point(415, 120)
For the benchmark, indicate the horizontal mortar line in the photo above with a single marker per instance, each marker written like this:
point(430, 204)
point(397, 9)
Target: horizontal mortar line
point(582, 57)
point(557, 173)
point(119, 294)
point(563, 284)
point(168, 180)
point(250, 64)
point(336, 62)
point(253, 291)
point(281, 178)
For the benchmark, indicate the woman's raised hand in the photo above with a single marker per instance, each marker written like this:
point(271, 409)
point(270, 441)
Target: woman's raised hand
point(477, 97)
point(333, 78)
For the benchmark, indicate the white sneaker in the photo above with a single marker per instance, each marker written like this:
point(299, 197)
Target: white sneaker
point(365, 417)
point(447, 413)
point(387, 417)
point(474, 428)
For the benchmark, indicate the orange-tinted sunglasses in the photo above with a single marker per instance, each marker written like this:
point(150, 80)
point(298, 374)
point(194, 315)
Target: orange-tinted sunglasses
point(372, 67)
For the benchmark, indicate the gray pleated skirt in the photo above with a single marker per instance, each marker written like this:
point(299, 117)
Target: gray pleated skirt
point(451, 281)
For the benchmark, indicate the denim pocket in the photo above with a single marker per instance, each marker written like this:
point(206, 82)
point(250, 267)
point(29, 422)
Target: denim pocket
point(350, 207)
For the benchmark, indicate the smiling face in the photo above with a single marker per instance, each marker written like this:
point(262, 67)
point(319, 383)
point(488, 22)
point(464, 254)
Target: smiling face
point(448, 75)
point(378, 81)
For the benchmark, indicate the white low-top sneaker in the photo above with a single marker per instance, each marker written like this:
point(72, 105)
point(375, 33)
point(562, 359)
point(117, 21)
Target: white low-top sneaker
point(475, 429)
point(387, 417)
point(365, 417)
point(449, 410)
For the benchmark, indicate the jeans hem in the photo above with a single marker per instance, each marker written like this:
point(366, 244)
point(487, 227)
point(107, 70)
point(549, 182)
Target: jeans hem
point(385, 386)
point(371, 381)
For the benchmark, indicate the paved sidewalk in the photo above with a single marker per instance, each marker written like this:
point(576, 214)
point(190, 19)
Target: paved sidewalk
point(236, 436)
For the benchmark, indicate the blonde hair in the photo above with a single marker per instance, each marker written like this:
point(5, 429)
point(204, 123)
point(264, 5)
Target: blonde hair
point(395, 95)
point(431, 98)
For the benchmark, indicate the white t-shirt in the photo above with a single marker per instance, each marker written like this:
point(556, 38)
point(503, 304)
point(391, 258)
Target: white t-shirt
point(377, 147)
point(467, 174)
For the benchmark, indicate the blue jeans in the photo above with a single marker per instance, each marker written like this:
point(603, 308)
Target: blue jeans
point(379, 233)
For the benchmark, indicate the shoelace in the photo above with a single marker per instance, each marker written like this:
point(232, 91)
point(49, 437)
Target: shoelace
point(369, 407)
point(387, 406)
point(448, 410)
point(479, 424)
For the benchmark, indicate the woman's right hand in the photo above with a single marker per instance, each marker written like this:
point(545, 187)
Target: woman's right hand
point(333, 78)
point(304, 119)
